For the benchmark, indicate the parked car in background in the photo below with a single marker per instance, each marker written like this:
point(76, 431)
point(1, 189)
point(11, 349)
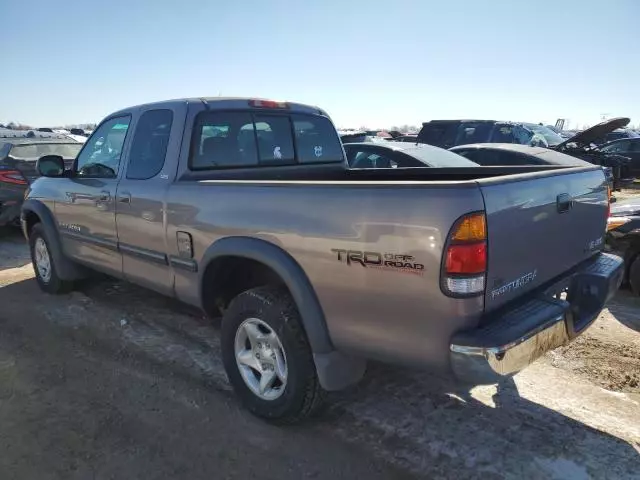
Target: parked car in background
point(623, 238)
point(627, 147)
point(450, 133)
point(583, 145)
point(316, 268)
point(18, 156)
point(407, 138)
point(495, 154)
point(401, 155)
point(359, 137)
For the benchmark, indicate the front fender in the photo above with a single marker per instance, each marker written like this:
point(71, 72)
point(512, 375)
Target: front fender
point(66, 269)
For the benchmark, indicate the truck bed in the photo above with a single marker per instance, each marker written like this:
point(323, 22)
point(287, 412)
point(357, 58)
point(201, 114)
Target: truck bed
point(338, 173)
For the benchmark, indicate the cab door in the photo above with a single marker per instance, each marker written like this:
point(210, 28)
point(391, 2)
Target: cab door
point(86, 213)
point(140, 197)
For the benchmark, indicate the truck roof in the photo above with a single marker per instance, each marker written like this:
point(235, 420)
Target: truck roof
point(221, 103)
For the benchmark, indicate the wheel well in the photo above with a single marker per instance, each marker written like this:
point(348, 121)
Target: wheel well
point(31, 218)
point(226, 277)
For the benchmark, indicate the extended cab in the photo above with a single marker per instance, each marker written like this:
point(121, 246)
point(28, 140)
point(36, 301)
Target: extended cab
point(246, 208)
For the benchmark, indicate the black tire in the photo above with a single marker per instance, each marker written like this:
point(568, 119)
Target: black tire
point(303, 395)
point(54, 284)
point(634, 275)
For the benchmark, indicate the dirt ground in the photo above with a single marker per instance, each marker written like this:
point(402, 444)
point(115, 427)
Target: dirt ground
point(114, 381)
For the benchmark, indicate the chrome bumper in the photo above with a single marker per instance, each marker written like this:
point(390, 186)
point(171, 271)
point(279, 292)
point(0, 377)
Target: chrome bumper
point(515, 338)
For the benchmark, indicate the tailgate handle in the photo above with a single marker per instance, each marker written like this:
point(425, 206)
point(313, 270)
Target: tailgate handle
point(564, 202)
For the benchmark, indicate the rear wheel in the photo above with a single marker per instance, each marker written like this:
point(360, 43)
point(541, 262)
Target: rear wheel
point(267, 356)
point(634, 275)
point(43, 263)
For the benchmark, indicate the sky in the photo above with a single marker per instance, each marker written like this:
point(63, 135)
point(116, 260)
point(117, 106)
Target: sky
point(367, 63)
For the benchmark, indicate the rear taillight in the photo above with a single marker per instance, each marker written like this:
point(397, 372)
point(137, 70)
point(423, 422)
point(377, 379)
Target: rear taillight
point(12, 176)
point(465, 258)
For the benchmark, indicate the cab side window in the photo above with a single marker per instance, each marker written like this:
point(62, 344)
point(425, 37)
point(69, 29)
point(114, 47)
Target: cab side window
point(100, 157)
point(149, 144)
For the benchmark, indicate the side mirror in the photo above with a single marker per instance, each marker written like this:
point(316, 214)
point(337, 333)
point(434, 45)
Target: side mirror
point(50, 166)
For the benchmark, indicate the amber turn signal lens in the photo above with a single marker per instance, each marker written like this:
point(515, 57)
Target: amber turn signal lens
point(472, 229)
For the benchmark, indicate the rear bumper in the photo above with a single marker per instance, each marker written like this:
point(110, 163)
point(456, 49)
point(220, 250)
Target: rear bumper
point(514, 338)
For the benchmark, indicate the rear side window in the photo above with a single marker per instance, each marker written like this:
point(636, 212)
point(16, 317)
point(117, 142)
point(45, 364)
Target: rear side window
point(224, 139)
point(503, 134)
point(149, 146)
point(242, 139)
point(439, 134)
point(473, 133)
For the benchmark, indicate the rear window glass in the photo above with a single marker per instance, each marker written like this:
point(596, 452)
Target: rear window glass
point(37, 150)
point(316, 140)
point(241, 139)
point(275, 142)
point(503, 134)
point(439, 134)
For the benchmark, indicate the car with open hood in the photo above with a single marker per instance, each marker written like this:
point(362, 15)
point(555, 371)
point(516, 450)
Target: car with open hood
point(584, 145)
point(451, 133)
point(623, 238)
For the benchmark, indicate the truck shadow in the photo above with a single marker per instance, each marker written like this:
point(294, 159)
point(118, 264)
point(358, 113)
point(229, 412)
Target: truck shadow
point(625, 307)
point(434, 426)
point(414, 420)
point(14, 251)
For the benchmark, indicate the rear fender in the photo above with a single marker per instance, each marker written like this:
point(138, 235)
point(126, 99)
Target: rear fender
point(335, 370)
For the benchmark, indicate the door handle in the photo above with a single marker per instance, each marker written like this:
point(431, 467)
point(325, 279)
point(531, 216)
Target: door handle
point(124, 197)
point(104, 196)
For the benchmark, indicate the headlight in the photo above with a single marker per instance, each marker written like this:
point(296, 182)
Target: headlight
point(615, 222)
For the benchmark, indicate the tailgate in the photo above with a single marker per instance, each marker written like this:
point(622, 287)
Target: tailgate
point(539, 226)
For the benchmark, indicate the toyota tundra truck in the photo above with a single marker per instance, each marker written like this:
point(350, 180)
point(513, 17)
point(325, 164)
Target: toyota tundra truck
point(247, 209)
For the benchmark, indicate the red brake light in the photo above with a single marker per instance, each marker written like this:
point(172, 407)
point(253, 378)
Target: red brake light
point(467, 258)
point(12, 176)
point(268, 104)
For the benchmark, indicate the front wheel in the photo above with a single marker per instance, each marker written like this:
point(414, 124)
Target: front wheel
point(43, 263)
point(267, 356)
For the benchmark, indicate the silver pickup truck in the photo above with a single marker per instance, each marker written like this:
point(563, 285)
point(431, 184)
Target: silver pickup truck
point(246, 209)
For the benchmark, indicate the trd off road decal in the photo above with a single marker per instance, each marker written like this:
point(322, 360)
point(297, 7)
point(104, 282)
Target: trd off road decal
point(380, 261)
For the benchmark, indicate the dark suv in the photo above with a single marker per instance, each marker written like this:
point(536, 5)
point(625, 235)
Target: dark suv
point(19, 151)
point(450, 133)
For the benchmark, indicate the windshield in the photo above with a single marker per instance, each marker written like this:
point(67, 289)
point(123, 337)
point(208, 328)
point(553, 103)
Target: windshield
point(541, 136)
point(36, 150)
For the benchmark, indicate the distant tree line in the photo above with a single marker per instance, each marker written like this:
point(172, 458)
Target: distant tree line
point(21, 126)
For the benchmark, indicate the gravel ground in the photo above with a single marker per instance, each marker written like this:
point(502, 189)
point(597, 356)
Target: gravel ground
point(114, 381)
